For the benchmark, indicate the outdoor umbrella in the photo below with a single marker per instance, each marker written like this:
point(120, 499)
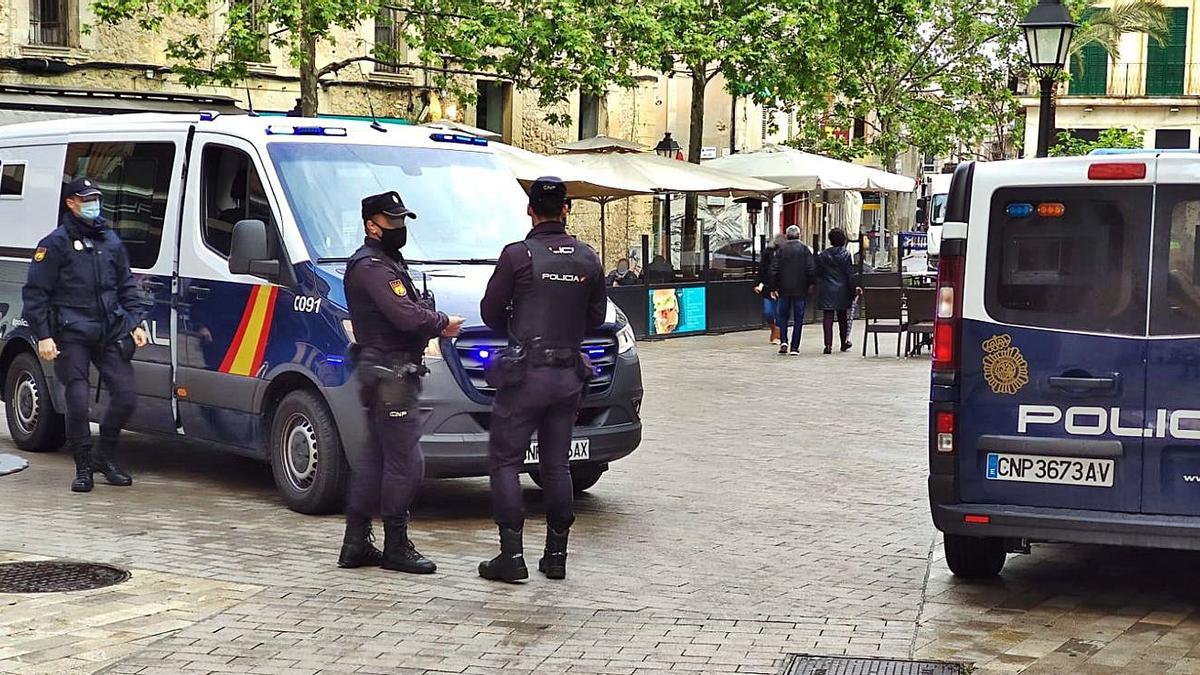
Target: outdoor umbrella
point(602, 144)
point(582, 183)
point(806, 172)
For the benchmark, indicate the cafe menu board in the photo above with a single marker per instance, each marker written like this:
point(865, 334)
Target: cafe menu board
point(678, 310)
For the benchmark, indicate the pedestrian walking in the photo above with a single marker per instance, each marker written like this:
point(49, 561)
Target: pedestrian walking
point(764, 285)
point(793, 272)
point(392, 325)
point(84, 306)
point(836, 289)
point(546, 293)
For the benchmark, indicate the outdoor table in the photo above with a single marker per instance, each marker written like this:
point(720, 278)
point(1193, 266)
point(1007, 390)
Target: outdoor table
point(11, 464)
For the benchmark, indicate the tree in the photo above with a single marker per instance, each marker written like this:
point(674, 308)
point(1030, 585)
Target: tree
point(1106, 26)
point(1069, 146)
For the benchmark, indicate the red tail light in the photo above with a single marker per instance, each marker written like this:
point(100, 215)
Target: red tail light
point(977, 519)
point(1117, 171)
point(944, 422)
point(949, 312)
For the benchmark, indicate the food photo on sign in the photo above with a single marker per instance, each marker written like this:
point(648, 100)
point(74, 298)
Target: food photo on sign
point(677, 310)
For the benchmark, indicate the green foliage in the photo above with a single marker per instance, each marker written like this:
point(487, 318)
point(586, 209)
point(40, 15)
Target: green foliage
point(1069, 146)
point(1105, 26)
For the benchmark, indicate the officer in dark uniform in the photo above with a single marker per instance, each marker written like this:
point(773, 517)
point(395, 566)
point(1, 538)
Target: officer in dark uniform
point(392, 326)
point(546, 294)
point(84, 307)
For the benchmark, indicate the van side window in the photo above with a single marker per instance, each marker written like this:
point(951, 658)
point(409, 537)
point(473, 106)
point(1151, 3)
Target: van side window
point(1175, 301)
point(12, 179)
point(1083, 270)
point(135, 179)
point(233, 192)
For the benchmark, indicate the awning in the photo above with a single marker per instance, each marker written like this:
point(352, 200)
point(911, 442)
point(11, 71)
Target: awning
point(56, 102)
point(803, 172)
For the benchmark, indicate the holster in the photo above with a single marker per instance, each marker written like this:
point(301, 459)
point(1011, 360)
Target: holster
point(389, 380)
point(508, 369)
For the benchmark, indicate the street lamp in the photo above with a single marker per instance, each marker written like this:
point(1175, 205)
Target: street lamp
point(668, 147)
point(1048, 28)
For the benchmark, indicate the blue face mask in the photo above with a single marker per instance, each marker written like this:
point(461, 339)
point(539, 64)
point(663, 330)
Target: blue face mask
point(89, 211)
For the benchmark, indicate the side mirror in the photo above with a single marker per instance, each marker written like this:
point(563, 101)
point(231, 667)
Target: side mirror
point(249, 252)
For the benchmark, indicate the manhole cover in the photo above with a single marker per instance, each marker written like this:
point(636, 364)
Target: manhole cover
point(50, 576)
point(801, 664)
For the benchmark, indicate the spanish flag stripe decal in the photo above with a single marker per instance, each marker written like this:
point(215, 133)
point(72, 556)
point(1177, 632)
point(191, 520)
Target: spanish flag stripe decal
point(245, 355)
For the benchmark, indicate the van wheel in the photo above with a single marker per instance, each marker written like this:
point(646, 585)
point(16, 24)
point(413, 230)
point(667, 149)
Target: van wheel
point(583, 476)
point(306, 454)
point(975, 557)
point(32, 421)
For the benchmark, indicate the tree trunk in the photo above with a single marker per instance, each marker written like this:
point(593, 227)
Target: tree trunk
point(308, 64)
point(890, 205)
point(695, 142)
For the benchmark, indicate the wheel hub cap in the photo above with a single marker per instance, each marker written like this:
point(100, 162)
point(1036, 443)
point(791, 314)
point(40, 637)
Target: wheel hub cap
point(25, 403)
point(300, 451)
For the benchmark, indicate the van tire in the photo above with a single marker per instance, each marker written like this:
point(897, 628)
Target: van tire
point(975, 557)
point(32, 421)
point(583, 476)
point(307, 459)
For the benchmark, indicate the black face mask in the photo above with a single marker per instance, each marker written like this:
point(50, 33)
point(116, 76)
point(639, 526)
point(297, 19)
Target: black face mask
point(394, 240)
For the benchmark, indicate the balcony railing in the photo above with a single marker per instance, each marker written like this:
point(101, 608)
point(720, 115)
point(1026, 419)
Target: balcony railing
point(1163, 79)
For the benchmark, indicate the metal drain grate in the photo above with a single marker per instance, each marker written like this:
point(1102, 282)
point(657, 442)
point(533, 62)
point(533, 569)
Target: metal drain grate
point(802, 664)
point(51, 576)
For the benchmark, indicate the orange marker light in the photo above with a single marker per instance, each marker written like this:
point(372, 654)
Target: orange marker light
point(181, 392)
point(1051, 210)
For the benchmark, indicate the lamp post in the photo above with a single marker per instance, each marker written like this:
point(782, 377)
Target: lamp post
point(1048, 29)
point(667, 148)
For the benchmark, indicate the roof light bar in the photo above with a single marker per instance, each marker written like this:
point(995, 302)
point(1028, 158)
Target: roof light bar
point(463, 139)
point(282, 130)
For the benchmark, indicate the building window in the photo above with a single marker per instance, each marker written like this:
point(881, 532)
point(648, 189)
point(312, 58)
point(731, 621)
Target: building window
point(1165, 63)
point(246, 12)
point(589, 116)
point(860, 128)
point(50, 23)
point(1172, 139)
point(493, 109)
point(136, 181)
point(389, 46)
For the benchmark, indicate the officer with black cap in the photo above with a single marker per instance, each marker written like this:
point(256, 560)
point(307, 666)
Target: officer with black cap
point(546, 293)
point(392, 325)
point(84, 307)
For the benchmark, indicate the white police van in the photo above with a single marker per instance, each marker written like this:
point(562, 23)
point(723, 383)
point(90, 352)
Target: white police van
point(238, 229)
point(1065, 397)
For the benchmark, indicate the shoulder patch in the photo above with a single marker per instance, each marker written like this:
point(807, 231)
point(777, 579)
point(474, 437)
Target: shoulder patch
point(398, 288)
point(40, 254)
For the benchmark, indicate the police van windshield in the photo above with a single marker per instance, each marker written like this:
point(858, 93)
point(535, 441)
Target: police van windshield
point(467, 206)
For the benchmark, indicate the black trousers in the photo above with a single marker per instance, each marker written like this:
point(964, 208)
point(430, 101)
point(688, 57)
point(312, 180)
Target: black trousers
point(547, 401)
point(116, 374)
point(386, 474)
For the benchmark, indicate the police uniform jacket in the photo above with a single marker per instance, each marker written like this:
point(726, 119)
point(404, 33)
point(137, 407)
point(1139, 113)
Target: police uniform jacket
point(385, 310)
point(80, 287)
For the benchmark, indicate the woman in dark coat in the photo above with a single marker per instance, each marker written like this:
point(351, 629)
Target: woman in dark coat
point(764, 283)
point(836, 288)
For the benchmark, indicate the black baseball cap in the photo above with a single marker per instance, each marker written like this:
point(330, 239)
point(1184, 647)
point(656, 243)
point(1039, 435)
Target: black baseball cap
point(387, 203)
point(548, 193)
point(83, 187)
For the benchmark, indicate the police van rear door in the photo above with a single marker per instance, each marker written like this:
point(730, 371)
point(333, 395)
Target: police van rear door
point(1172, 465)
point(1053, 338)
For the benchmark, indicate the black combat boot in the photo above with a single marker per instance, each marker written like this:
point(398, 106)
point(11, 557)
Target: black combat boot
point(357, 547)
point(510, 564)
point(102, 461)
point(399, 554)
point(554, 559)
point(83, 467)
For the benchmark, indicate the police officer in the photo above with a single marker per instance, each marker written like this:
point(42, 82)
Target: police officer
point(392, 325)
point(546, 293)
point(84, 307)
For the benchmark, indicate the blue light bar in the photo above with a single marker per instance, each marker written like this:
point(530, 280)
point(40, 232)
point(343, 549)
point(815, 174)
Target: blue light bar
point(280, 130)
point(594, 352)
point(208, 116)
point(335, 360)
point(1019, 210)
point(462, 139)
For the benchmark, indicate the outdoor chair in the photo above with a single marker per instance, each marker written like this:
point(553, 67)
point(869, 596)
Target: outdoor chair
point(880, 280)
point(921, 304)
point(884, 314)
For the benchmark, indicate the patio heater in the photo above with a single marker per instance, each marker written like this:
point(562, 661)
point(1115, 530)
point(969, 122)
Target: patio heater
point(1048, 30)
point(667, 148)
point(754, 206)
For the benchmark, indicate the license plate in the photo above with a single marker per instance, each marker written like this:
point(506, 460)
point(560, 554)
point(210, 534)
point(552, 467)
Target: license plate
point(1054, 470)
point(580, 449)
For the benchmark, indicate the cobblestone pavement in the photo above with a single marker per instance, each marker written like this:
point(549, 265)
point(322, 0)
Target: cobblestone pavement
point(777, 505)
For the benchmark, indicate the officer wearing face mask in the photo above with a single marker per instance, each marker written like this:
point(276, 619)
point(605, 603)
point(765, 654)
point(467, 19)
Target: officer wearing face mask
point(392, 326)
point(84, 307)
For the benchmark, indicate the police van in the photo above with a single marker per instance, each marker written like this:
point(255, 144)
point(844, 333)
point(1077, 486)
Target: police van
point(238, 229)
point(1065, 397)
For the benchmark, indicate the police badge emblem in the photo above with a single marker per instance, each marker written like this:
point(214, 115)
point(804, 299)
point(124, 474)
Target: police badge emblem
point(40, 254)
point(1004, 367)
point(398, 288)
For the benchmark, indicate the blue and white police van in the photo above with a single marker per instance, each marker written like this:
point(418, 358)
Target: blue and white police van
point(1065, 397)
point(238, 229)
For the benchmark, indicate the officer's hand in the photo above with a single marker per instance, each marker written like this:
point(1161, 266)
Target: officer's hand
point(47, 349)
point(758, 289)
point(139, 337)
point(454, 327)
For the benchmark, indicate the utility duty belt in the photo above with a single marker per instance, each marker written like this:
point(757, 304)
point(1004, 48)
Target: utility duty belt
point(510, 368)
point(390, 379)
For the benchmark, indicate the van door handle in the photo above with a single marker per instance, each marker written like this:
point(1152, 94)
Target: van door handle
point(153, 284)
point(198, 292)
point(1083, 383)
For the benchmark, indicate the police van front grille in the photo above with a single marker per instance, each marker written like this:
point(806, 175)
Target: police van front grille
point(474, 351)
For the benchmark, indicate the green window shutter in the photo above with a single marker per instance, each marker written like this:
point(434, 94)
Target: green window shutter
point(1165, 63)
point(1089, 72)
